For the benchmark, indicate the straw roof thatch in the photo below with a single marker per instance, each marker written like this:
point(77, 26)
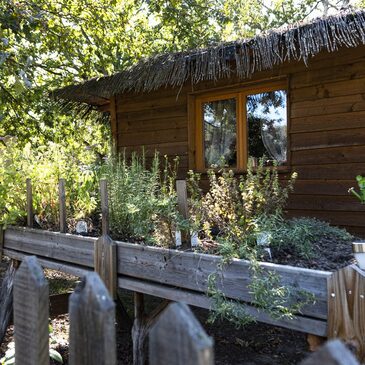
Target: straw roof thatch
point(242, 58)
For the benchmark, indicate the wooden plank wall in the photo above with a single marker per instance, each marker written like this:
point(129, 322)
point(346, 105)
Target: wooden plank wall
point(326, 130)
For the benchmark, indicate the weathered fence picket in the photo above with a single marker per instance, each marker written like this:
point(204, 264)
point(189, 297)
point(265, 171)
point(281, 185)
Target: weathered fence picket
point(92, 324)
point(177, 338)
point(31, 314)
point(332, 353)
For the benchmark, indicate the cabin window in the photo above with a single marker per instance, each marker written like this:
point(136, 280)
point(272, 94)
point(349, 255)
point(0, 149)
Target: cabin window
point(236, 128)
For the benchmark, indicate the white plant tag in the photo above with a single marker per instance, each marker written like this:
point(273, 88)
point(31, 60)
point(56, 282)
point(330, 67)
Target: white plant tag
point(194, 240)
point(268, 250)
point(178, 238)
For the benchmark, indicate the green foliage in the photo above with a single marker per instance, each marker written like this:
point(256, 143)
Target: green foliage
point(298, 236)
point(361, 194)
point(9, 357)
point(47, 44)
point(45, 165)
point(143, 201)
point(235, 207)
point(237, 212)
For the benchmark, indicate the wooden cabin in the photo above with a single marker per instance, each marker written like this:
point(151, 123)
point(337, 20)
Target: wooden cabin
point(295, 95)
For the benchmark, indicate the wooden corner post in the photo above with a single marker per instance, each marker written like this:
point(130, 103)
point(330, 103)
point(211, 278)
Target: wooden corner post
point(105, 250)
point(346, 308)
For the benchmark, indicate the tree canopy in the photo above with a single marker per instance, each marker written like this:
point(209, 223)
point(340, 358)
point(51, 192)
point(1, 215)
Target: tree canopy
point(47, 44)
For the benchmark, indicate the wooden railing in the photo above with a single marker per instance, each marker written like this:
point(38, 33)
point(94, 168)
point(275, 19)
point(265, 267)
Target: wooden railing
point(92, 338)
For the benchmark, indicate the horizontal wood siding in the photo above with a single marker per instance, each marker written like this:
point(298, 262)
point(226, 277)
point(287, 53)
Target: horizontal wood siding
point(326, 130)
point(154, 122)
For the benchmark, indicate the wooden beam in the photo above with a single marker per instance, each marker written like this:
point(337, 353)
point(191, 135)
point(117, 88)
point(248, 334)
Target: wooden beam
point(186, 270)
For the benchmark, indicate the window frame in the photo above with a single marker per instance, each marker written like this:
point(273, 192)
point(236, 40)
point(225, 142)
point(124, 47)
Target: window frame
point(196, 101)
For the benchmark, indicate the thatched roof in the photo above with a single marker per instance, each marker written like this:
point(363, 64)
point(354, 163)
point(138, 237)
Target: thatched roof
point(243, 57)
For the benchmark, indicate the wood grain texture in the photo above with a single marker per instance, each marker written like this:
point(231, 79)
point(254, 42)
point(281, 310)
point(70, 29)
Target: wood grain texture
point(6, 300)
point(105, 250)
point(346, 307)
point(62, 205)
point(29, 203)
point(185, 270)
point(92, 324)
point(332, 353)
point(191, 345)
point(304, 324)
point(31, 314)
point(182, 202)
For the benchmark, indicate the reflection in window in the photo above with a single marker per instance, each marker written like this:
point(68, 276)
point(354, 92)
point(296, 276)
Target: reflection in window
point(220, 132)
point(267, 122)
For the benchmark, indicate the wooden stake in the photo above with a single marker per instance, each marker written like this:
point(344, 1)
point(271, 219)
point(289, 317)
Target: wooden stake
point(182, 202)
point(105, 249)
point(62, 203)
point(29, 204)
point(92, 324)
point(31, 314)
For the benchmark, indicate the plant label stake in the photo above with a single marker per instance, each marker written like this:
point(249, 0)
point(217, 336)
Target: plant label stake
point(105, 250)
point(29, 204)
point(62, 202)
point(182, 202)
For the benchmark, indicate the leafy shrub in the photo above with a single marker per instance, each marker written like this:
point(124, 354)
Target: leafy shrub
point(142, 201)
point(45, 165)
point(236, 209)
point(298, 235)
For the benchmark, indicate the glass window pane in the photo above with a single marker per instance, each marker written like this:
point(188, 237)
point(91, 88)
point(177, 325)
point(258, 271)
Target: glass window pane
point(219, 119)
point(267, 127)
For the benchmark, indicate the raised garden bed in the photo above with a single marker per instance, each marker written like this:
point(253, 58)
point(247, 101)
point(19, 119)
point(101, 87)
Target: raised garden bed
point(173, 274)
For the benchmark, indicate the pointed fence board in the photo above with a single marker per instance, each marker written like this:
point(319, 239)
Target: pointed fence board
point(177, 338)
point(6, 300)
point(332, 353)
point(92, 324)
point(31, 314)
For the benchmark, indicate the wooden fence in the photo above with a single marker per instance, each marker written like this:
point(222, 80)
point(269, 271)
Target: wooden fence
point(180, 276)
point(92, 339)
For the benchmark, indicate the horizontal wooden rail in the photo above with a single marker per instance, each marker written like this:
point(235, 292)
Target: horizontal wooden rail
point(171, 274)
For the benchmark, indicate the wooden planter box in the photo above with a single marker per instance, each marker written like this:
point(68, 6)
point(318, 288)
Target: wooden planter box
point(172, 274)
